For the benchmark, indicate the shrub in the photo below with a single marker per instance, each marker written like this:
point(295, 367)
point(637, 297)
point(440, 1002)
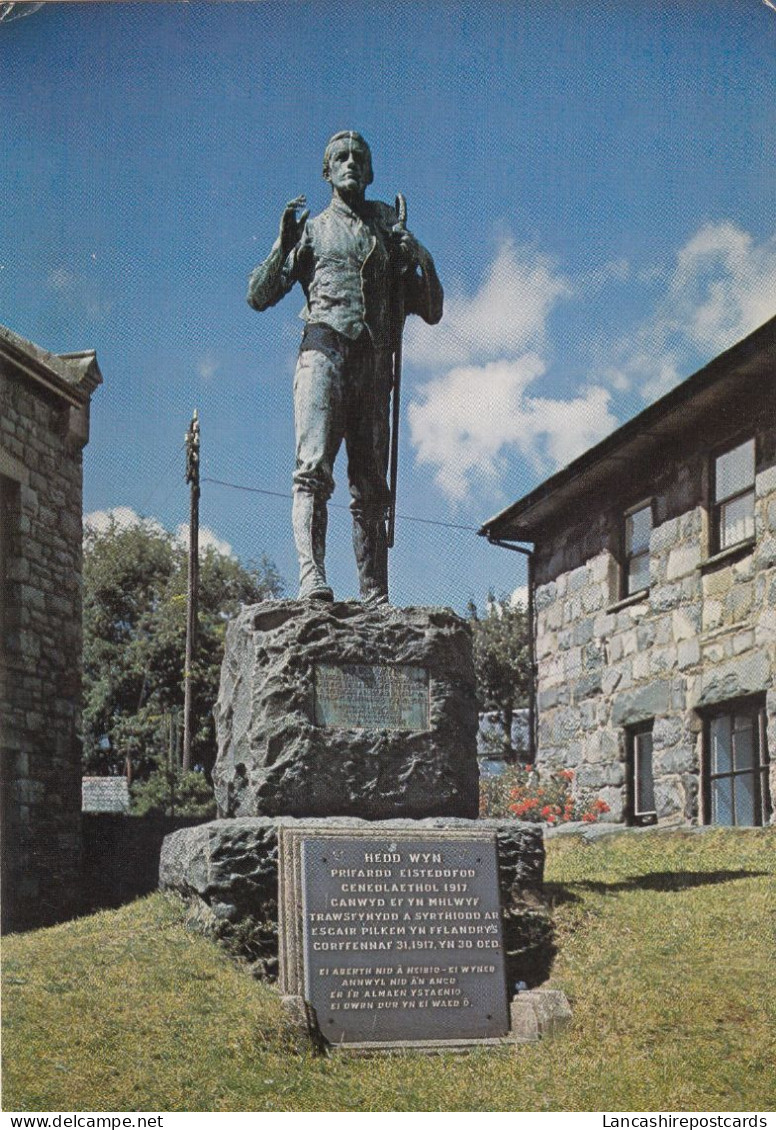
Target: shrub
point(520, 792)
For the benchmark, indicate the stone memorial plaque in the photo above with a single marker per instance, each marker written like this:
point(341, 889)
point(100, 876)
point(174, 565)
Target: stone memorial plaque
point(363, 696)
point(401, 937)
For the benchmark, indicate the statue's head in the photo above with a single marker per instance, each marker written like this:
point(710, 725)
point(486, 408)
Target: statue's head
point(345, 142)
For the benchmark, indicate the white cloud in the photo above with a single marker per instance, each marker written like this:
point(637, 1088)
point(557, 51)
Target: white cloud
point(484, 402)
point(468, 419)
point(208, 366)
point(78, 293)
point(519, 597)
point(61, 279)
point(720, 289)
point(124, 517)
point(506, 316)
point(207, 539)
point(490, 350)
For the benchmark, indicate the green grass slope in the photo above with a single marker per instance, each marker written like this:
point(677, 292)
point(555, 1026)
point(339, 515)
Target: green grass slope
point(666, 951)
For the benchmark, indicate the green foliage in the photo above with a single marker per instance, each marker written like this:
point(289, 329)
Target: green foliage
point(135, 581)
point(665, 950)
point(501, 665)
point(169, 791)
point(519, 792)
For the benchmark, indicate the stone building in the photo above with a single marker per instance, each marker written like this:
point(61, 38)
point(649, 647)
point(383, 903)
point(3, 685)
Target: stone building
point(44, 425)
point(653, 588)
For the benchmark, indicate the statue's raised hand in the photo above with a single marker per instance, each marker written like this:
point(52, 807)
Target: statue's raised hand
point(291, 228)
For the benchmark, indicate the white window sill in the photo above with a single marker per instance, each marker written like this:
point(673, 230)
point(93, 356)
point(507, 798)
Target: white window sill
point(729, 553)
point(632, 598)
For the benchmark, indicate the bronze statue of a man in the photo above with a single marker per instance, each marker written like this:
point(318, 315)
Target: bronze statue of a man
point(361, 272)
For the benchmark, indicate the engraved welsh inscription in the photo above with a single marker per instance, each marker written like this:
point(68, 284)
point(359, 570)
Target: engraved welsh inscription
point(364, 696)
point(402, 939)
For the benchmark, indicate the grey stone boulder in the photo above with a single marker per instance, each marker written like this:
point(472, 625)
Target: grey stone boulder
point(232, 865)
point(275, 755)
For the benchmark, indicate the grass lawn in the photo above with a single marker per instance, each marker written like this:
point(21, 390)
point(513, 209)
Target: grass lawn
point(666, 951)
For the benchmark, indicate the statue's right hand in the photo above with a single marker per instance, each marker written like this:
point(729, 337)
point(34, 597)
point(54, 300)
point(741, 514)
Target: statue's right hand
point(291, 228)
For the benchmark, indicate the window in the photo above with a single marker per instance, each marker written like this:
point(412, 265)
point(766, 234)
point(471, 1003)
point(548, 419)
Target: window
point(641, 784)
point(734, 496)
point(736, 766)
point(638, 528)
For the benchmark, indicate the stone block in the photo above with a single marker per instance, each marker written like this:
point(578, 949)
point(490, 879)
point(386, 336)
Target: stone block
point(712, 615)
point(662, 659)
point(748, 674)
point(577, 579)
point(739, 602)
point(679, 759)
point(641, 703)
point(669, 798)
point(682, 560)
point(664, 536)
point(743, 641)
point(688, 654)
point(685, 623)
point(386, 745)
point(765, 552)
point(545, 595)
point(718, 583)
point(600, 566)
point(666, 732)
point(583, 631)
point(537, 1014)
point(593, 598)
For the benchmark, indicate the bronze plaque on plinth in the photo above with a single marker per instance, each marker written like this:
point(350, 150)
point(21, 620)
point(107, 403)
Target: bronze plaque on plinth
point(371, 697)
point(401, 937)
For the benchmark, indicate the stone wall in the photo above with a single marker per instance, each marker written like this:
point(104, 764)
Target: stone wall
point(703, 634)
point(41, 438)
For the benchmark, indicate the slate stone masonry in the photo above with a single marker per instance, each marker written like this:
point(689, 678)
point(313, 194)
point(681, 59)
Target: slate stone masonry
point(44, 408)
point(703, 634)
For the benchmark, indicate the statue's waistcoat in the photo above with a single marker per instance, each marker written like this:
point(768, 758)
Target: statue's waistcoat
point(348, 271)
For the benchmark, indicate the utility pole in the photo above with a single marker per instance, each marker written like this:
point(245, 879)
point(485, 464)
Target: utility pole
point(192, 477)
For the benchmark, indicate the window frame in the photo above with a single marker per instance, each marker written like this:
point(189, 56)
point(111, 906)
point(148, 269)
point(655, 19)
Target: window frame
point(625, 557)
point(716, 504)
point(638, 817)
point(762, 802)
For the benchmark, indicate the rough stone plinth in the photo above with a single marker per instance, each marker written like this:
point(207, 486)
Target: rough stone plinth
point(227, 872)
point(231, 866)
point(274, 759)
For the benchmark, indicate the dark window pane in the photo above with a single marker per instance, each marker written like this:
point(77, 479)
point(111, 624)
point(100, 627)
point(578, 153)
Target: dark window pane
point(638, 528)
point(720, 744)
point(744, 792)
point(736, 520)
point(743, 744)
point(638, 574)
point(735, 470)
point(722, 801)
point(645, 789)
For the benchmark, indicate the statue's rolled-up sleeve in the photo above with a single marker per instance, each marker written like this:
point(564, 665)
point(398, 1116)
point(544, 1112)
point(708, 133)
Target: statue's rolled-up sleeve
point(272, 279)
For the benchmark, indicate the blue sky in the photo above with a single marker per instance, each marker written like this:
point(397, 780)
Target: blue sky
point(594, 180)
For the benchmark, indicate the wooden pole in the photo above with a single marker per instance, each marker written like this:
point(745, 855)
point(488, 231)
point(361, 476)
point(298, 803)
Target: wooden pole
point(192, 477)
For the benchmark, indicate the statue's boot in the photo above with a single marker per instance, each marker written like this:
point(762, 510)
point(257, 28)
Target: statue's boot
point(371, 547)
point(310, 518)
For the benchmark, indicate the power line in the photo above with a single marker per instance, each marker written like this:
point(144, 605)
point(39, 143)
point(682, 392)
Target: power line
point(337, 505)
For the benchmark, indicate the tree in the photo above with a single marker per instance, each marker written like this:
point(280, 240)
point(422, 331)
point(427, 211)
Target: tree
point(134, 644)
point(502, 663)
